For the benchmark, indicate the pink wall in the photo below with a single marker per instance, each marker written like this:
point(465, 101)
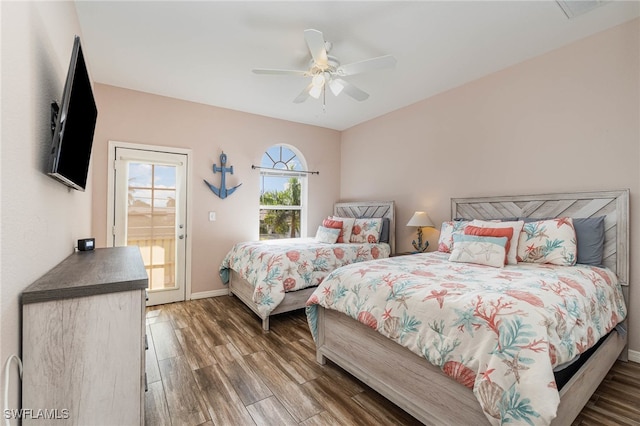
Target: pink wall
point(130, 116)
point(568, 120)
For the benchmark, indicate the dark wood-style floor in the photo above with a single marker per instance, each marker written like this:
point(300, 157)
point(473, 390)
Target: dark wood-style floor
point(209, 363)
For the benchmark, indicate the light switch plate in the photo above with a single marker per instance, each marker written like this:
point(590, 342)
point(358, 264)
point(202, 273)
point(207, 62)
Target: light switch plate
point(212, 216)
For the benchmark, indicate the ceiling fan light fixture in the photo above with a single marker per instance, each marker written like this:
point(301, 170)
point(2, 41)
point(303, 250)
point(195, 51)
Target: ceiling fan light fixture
point(315, 91)
point(318, 80)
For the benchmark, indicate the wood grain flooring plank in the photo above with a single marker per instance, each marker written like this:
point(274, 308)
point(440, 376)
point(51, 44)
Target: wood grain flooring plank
point(223, 403)
point(185, 404)
point(323, 419)
point(303, 363)
point(209, 331)
point(287, 367)
point(382, 409)
point(165, 340)
point(198, 355)
point(156, 314)
point(343, 380)
point(295, 398)
point(245, 342)
point(613, 404)
point(178, 314)
point(246, 382)
point(155, 406)
point(226, 354)
point(338, 403)
point(620, 391)
point(597, 417)
point(151, 362)
point(270, 411)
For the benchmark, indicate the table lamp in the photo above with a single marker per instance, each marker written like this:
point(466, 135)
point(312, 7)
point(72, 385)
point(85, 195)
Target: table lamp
point(420, 220)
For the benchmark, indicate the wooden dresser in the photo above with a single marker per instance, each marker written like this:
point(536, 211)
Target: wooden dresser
point(83, 341)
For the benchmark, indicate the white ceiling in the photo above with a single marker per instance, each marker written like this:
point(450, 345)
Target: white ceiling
point(204, 51)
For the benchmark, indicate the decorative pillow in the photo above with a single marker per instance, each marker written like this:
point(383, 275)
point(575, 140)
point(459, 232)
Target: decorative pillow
point(366, 230)
point(548, 241)
point(335, 224)
point(447, 231)
point(489, 251)
point(590, 238)
point(492, 232)
point(512, 254)
point(384, 232)
point(327, 235)
point(347, 225)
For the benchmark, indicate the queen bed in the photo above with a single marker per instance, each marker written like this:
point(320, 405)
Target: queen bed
point(273, 277)
point(366, 322)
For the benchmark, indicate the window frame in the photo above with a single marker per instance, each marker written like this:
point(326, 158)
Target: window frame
point(276, 172)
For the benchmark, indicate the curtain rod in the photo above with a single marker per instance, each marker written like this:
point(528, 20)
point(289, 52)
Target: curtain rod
point(285, 171)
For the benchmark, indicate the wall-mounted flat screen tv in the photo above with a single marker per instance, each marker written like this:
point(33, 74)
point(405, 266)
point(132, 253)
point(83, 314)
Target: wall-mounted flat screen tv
point(75, 124)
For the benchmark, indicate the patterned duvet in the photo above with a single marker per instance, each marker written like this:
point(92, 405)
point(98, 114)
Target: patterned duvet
point(277, 266)
point(498, 331)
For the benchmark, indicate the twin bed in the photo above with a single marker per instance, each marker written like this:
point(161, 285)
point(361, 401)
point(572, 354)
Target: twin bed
point(401, 325)
point(272, 277)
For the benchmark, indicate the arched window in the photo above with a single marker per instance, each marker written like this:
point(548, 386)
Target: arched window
point(283, 193)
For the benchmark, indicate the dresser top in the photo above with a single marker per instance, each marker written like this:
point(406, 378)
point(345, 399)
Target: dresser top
point(90, 273)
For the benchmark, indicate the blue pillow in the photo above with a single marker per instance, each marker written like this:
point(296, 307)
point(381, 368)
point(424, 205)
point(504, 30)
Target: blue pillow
point(590, 239)
point(384, 232)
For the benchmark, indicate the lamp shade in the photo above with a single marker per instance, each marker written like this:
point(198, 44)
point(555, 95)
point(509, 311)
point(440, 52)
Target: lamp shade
point(420, 219)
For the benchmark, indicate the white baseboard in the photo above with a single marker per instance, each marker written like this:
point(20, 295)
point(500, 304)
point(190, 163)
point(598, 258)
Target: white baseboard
point(634, 356)
point(211, 293)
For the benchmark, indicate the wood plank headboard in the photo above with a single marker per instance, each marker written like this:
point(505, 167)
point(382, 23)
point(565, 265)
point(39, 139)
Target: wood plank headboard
point(370, 209)
point(614, 205)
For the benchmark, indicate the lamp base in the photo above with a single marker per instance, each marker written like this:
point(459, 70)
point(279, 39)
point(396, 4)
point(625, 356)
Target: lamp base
point(419, 247)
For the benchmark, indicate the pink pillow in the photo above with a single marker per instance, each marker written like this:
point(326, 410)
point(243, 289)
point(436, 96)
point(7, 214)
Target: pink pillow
point(335, 224)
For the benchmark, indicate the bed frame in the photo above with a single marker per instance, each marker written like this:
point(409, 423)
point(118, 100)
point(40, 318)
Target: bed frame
point(420, 388)
point(297, 299)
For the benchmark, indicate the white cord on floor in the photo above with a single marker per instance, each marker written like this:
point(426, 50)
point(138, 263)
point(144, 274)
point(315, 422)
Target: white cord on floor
point(6, 384)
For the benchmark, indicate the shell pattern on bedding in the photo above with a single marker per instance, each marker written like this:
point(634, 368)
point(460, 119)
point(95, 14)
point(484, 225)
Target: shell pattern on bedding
point(498, 331)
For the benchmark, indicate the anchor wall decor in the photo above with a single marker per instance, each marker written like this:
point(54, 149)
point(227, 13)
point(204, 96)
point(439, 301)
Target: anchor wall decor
point(223, 191)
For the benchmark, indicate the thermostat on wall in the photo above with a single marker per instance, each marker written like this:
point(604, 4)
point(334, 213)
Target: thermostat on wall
point(86, 244)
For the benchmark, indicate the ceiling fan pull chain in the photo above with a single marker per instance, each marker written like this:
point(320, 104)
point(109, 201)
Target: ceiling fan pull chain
point(324, 98)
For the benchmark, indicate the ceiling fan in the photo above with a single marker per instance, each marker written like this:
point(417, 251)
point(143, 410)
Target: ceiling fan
point(325, 70)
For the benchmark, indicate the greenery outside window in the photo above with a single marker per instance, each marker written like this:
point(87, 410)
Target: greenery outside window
point(282, 193)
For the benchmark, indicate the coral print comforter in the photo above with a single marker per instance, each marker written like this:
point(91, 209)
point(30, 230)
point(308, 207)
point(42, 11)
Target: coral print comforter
point(498, 331)
point(276, 266)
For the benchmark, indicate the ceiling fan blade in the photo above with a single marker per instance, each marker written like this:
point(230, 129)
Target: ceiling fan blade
point(336, 85)
point(279, 72)
point(381, 62)
point(315, 42)
point(303, 95)
point(351, 90)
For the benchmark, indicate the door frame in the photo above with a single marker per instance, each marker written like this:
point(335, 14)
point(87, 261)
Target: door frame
point(188, 214)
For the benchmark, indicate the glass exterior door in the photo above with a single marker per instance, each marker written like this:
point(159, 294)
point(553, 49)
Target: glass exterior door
point(149, 213)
